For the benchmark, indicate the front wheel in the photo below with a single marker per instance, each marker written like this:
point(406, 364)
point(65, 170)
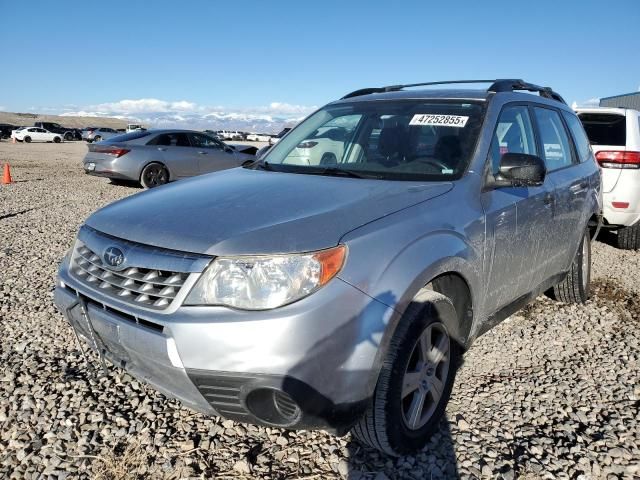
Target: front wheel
point(27, 139)
point(415, 381)
point(154, 175)
point(68, 137)
point(56, 140)
point(576, 285)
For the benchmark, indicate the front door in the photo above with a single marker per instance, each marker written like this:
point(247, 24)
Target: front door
point(517, 218)
point(212, 155)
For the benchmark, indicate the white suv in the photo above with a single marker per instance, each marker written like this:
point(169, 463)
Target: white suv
point(614, 134)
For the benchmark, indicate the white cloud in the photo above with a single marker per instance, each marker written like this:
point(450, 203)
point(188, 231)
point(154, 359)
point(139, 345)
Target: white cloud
point(183, 113)
point(2, 108)
point(155, 112)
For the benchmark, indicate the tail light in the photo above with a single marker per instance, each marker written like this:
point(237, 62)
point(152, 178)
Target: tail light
point(113, 151)
point(307, 144)
point(618, 159)
point(620, 204)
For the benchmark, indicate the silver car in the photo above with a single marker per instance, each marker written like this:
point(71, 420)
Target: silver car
point(156, 157)
point(342, 295)
point(98, 134)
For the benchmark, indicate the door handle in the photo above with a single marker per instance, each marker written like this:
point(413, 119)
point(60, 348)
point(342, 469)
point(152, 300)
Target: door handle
point(162, 149)
point(202, 153)
point(578, 187)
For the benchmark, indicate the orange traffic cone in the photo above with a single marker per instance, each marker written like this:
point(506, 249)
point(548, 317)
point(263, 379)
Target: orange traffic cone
point(6, 176)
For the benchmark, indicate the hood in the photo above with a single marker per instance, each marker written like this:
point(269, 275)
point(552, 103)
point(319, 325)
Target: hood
point(242, 211)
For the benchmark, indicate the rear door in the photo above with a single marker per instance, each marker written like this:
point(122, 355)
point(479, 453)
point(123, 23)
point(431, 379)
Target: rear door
point(518, 237)
point(570, 180)
point(40, 135)
point(606, 132)
point(176, 153)
point(212, 154)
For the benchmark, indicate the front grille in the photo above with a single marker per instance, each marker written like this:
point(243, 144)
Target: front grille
point(139, 286)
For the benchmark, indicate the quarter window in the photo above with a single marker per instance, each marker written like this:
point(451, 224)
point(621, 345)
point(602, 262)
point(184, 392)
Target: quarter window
point(579, 136)
point(555, 142)
point(513, 134)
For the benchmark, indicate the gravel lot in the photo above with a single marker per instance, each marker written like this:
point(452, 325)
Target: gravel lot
point(553, 392)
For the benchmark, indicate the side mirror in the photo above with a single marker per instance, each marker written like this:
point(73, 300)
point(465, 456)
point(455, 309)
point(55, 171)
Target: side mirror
point(262, 151)
point(520, 170)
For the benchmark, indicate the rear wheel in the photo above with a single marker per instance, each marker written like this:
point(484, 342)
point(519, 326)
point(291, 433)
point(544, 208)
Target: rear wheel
point(56, 139)
point(68, 136)
point(154, 175)
point(414, 384)
point(27, 139)
point(575, 287)
point(629, 237)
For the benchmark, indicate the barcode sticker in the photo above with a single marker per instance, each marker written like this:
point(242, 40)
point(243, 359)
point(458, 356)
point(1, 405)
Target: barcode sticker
point(458, 121)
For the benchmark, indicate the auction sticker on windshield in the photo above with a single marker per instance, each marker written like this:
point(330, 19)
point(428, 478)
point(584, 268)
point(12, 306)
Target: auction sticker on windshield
point(439, 120)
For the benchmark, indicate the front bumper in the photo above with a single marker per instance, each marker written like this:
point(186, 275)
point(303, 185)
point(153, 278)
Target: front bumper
point(320, 351)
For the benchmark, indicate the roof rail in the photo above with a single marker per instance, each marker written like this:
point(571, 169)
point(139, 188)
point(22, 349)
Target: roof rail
point(511, 84)
point(499, 85)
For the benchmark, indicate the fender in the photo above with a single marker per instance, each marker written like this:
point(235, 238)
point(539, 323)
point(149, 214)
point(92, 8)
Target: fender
point(402, 280)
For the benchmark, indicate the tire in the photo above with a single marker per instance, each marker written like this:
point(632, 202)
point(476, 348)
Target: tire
point(68, 137)
point(576, 285)
point(56, 139)
point(328, 159)
point(629, 237)
point(153, 175)
point(27, 139)
point(387, 424)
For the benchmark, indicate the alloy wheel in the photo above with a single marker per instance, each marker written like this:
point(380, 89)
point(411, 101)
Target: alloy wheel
point(425, 376)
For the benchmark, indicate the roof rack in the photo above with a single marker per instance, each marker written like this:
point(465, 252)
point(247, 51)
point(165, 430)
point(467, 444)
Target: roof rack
point(499, 85)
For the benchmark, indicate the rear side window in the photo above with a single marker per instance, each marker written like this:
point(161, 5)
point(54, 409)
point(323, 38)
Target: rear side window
point(605, 128)
point(579, 137)
point(171, 140)
point(513, 134)
point(555, 142)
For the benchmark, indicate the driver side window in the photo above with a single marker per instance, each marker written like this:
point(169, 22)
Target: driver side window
point(204, 141)
point(513, 134)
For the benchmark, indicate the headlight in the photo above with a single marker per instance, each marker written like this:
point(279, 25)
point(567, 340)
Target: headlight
point(264, 282)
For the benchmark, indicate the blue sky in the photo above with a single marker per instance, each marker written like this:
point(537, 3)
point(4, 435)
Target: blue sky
point(285, 57)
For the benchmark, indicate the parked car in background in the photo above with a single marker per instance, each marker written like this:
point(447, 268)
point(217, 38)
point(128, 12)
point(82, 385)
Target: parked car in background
point(132, 127)
point(343, 296)
point(67, 133)
point(614, 134)
point(231, 135)
point(6, 129)
point(275, 138)
point(98, 134)
point(36, 134)
point(258, 137)
point(156, 157)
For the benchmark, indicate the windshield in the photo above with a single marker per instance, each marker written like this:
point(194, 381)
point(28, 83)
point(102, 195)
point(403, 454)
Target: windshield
point(403, 140)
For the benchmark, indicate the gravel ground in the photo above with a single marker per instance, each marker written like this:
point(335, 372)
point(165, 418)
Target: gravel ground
point(553, 392)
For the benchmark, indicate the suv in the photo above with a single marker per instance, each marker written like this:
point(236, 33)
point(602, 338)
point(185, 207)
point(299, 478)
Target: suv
point(67, 133)
point(341, 294)
point(615, 138)
point(98, 134)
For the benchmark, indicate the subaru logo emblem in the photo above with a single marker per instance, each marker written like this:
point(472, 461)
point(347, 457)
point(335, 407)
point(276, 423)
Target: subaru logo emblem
point(113, 257)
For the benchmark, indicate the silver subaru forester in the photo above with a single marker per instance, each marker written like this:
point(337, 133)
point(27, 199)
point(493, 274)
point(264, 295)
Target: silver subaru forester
point(336, 282)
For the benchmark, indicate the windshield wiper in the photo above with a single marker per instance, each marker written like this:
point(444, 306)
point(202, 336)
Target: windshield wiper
point(340, 172)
